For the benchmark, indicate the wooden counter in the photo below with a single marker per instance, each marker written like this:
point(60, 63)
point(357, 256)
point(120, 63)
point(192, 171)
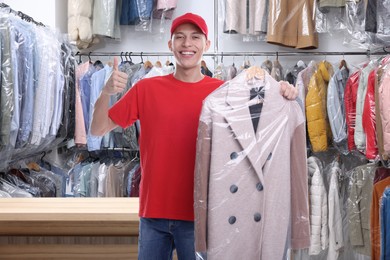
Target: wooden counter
point(68, 228)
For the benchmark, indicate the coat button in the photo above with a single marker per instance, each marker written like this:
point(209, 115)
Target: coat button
point(232, 220)
point(259, 186)
point(257, 217)
point(233, 188)
point(233, 155)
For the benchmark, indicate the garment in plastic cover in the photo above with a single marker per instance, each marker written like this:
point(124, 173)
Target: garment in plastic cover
point(251, 190)
point(355, 19)
point(385, 222)
point(336, 106)
point(245, 17)
point(384, 106)
point(330, 16)
point(106, 15)
point(12, 190)
point(292, 23)
point(316, 107)
point(80, 23)
point(145, 8)
point(360, 209)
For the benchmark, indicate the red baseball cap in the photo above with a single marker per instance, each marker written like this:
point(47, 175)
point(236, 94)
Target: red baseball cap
point(190, 18)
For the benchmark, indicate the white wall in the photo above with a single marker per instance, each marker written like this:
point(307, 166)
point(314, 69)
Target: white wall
point(54, 14)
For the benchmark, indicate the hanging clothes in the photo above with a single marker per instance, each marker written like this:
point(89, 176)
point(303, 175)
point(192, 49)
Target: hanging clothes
point(375, 227)
point(318, 197)
point(291, 23)
point(335, 105)
point(350, 96)
point(227, 225)
point(359, 136)
point(359, 208)
point(316, 112)
point(35, 101)
point(368, 117)
point(246, 17)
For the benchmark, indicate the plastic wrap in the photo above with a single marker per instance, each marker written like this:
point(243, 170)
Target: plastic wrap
point(350, 95)
point(292, 73)
point(247, 204)
point(336, 107)
point(330, 16)
point(13, 191)
point(359, 208)
point(106, 16)
point(46, 89)
point(316, 108)
point(22, 60)
point(20, 181)
point(220, 71)
point(6, 96)
point(385, 222)
point(383, 22)
point(145, 8)
point(292, 23)
point(346, 184)
point(164, 10)
point(360, 136)
point(369, 117)
point(80, 23)
point(355, 25)
point(245, 18)
point(4, 194)
point(384, 108)
point(380, 185)
point(319, 237)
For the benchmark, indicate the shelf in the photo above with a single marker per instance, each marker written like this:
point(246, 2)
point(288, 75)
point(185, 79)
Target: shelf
point(69, 216)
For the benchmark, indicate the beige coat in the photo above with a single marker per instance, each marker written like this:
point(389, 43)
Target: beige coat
point(291, 23)
point(251, 190)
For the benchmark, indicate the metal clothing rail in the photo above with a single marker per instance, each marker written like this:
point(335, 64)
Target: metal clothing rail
point(22, 15)
point(225, 54)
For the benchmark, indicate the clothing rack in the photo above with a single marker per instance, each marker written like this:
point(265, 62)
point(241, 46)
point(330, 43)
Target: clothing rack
point(22, 15)
point(368, 53)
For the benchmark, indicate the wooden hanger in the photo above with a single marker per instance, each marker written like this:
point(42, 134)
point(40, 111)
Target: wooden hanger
point(254, 72)
point(343, 64)
point(158, 64)
point(34, 166)
point(148, 64)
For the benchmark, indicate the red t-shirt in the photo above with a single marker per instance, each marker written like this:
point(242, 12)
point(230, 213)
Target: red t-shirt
point(168, 110)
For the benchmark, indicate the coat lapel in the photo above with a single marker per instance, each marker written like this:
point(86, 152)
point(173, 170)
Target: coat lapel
point(240, 122)
point(256, 146)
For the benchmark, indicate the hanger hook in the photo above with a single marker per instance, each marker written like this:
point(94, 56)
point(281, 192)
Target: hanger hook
point(89, 56)
point(131, 60)
point(142, 58)
point(43, 155)
point(79, 54)
point(121, 56)
point(222, 57)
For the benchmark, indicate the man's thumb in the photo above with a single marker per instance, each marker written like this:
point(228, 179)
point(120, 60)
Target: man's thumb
point(115, 66)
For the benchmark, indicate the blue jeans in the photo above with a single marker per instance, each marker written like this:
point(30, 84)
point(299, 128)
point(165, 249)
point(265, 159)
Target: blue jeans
point(159, 237)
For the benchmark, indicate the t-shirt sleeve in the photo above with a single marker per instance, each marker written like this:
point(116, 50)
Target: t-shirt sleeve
point(126, 111)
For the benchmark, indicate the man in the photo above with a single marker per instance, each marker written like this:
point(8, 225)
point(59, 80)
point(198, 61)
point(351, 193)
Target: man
point(168, 108)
